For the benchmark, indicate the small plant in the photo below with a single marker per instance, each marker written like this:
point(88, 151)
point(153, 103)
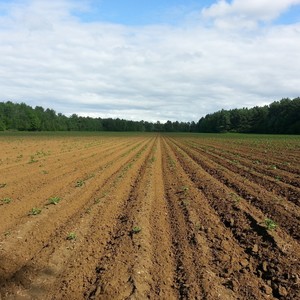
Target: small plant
point(235, 198)
point(96, 201)
point(32, 160)
point(136, 229)
point(71, 236)
point(79, 183)
point(7, 233)
point(185, 188)
point(172, 162)
point(35, 211)
point(277, 178)
point(271, 225)
point(2, 185)
point(6, 200)
point(44, 172)
point(54, 200)
point(198, 227)
point(152, 159)
point(41, 153)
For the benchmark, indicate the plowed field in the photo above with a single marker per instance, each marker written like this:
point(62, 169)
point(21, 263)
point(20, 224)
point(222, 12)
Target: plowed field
point(149, 217)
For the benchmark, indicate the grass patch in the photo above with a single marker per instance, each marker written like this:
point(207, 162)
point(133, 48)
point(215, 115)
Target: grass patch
point(53, 200)
point(71, 236)
point(136, 229)
point(34, 211)
point(6, 200)
point(270, 224)
point(80, 183)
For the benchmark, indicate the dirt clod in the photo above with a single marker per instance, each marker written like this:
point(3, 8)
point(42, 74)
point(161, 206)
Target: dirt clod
point(255, 248)
point(265, 266)
point(267, 289)
point(244, 263)
point(282, 291)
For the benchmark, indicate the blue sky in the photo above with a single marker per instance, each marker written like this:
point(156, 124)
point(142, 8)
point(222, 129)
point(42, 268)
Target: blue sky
point(139, 13)
point(135, 12)
point(150, 60)
point(291, 16)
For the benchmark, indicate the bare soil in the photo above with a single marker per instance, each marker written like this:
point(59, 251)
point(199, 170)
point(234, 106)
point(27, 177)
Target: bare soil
point(149, 217)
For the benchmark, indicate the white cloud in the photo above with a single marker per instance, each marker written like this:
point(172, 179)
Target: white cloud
point(246, 13)
point(51, 58)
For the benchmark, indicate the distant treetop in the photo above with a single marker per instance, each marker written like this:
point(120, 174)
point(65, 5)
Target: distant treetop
point(279, 117)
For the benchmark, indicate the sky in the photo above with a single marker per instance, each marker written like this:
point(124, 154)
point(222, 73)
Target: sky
point(149, 60)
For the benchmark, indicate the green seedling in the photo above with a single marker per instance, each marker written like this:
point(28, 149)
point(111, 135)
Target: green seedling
point(32, 160)
point(136, 229)
point(54, 200)
point(2, 185)
point(271, 225)
point(235, 198)
point(152, 159)
point(197, 226)
point(35, 211)
point(6, 200)
point(172, 162)
point(71, 236)
point(41, 153)
point(185, 188)
point(80, 183)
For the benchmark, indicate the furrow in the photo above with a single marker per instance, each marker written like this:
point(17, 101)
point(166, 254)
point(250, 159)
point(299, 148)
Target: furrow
point(56, 185)
point(286, 214)
point(271, 259)
point(247, 170)
point(36, 232)
point(94, 229)
point(222, 265)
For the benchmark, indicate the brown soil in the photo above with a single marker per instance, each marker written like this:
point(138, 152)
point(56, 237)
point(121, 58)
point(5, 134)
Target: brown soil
point(153, 217)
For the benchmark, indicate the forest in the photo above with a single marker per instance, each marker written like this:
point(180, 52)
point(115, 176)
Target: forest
point(280, 117)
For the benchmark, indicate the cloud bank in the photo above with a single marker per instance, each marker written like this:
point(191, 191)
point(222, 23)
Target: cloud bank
point(220, 57)
point(246, 13)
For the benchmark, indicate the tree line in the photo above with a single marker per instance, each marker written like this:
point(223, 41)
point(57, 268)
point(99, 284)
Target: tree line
point(278, 117)
point(281, 117)
point(22, 117)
